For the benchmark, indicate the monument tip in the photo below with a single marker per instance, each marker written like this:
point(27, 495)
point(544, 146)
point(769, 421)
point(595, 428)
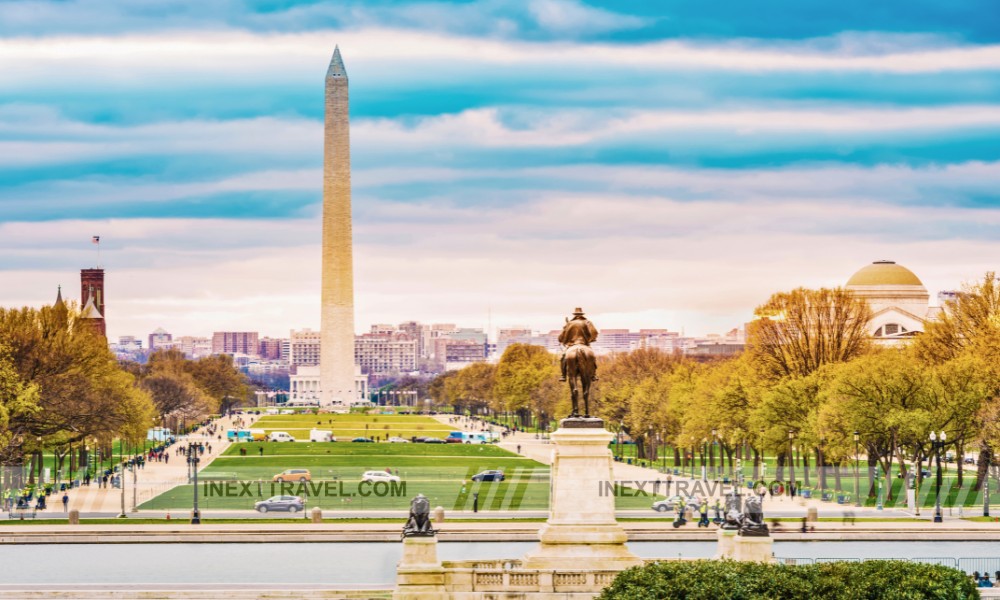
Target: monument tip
point(336, 68)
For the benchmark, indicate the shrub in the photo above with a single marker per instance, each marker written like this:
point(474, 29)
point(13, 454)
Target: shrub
point(730, 580)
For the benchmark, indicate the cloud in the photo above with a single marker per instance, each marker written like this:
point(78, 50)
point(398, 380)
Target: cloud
point(227, 56)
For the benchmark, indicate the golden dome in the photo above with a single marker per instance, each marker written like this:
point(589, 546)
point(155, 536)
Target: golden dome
point(884, 272)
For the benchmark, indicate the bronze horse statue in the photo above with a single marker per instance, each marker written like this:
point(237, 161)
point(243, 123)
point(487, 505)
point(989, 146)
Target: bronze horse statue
point(579, 365)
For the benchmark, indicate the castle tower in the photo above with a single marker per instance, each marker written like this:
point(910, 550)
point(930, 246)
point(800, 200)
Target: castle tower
point(337, 320)
point(92, 294)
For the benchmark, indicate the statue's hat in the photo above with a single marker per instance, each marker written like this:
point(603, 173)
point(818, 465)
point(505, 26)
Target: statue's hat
point(578, 311)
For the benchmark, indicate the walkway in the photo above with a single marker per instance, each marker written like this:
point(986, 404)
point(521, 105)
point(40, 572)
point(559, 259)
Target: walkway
point(152, 480)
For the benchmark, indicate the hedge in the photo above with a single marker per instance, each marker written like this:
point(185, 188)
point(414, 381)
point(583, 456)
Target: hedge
point(730, 580)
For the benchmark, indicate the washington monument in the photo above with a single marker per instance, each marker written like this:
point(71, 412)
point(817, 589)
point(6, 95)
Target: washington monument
point(336, 362)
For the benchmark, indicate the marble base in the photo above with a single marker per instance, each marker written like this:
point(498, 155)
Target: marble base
point(753, 549)
point(419, 574)
point(726, 547)
point(581, 532)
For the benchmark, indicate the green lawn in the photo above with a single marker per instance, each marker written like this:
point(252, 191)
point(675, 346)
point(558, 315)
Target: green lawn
point(442, 472)
point(350, 426)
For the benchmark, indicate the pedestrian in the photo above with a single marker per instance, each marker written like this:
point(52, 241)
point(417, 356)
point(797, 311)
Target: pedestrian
point(261, 450)
point(519, 448)
point(65, 500)
point(166, 459)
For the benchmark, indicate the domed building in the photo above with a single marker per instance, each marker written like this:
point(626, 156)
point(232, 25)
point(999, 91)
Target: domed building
point(899, 301)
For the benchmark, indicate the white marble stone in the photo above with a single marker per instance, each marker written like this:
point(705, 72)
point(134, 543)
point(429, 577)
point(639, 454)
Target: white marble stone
point(726, 547)
point(753, 549)
point(581, 531)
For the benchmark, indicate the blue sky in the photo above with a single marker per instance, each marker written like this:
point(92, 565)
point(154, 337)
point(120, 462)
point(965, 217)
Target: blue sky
point(686, 158)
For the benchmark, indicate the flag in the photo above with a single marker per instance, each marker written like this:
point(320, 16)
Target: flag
point(96, 239)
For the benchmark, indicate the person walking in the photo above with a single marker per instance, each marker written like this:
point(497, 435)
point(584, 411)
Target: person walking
point(65, 501)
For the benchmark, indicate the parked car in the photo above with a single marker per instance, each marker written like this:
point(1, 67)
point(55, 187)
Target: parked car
point(671, 503)
point(925, 473)
point(488, 476)
point(363, 440)
point(420, 439)
point(398, 440)
point(293, 475)
point(289, 503)
point(969, 460)
point(281, 436)
point(373, 476)
point(452, 440)
point(434, 441)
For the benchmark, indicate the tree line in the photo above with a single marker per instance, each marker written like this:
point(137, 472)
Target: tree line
point(811, 377)
point(62, 389)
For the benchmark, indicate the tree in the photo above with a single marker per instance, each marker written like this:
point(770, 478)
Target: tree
point(82, 391)
point(524, 378)
point(884, 396)
point(970, 320)
point(797, 332)
point(18, 401)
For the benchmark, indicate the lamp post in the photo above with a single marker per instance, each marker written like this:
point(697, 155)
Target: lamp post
point(192, 457)
point(857, 477)
point(121, 477)
point(791, 464)
point(937, 444)
point(822, 471)
point(759, 468)
point(986, 491)
point(663, 441)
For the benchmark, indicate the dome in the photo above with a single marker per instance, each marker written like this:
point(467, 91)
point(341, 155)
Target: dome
point(884, 272)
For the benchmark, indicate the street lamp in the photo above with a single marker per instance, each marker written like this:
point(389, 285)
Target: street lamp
point(857, 477)
point(822, 470)
point(711, 454)
point(192, 458)
point(937, 444)
point(791, 464)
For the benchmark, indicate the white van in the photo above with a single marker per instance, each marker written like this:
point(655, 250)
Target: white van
point(318, 435)
point(281, 436)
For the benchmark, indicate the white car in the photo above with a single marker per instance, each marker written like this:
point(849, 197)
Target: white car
point(671, 503)
point(398, 440)
point(281, 436)
point(375, 476)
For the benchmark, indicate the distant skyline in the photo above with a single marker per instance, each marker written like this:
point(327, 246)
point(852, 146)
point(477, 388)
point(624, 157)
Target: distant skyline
point(662, 165)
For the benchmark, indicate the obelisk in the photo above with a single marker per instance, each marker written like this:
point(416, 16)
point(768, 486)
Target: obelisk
point(336, 362)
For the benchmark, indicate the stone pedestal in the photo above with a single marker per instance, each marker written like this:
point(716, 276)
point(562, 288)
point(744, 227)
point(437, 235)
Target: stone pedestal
point(581, 531)
point(753, 549)
point(726, 547)
point(419, 575)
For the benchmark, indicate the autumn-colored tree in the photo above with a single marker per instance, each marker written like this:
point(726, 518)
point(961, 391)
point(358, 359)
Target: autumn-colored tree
point(972, 319)
point(523, 382)
point(794, 333)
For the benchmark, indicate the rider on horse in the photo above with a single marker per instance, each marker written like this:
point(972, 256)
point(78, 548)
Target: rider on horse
point(577, 332)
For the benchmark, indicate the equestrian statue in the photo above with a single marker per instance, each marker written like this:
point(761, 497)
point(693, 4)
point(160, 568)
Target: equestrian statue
point(578, 364)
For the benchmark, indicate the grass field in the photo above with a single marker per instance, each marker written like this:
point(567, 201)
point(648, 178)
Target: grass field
point(349, 426)
point(443, 473)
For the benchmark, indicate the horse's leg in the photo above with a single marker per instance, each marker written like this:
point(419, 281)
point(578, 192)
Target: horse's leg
point(586, 396)
point(574, 396)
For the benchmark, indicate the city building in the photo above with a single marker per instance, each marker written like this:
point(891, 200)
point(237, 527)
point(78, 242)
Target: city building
point(271, 348)
point(384, 353)
point(899, 302)
point(305, 389)
point(92, 299)
point(193, 347)
point(304, 348)
point(235, 342)
point(159, 339)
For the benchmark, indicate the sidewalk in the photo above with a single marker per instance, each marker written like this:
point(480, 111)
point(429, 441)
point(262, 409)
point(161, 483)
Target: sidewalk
point(155, 478)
